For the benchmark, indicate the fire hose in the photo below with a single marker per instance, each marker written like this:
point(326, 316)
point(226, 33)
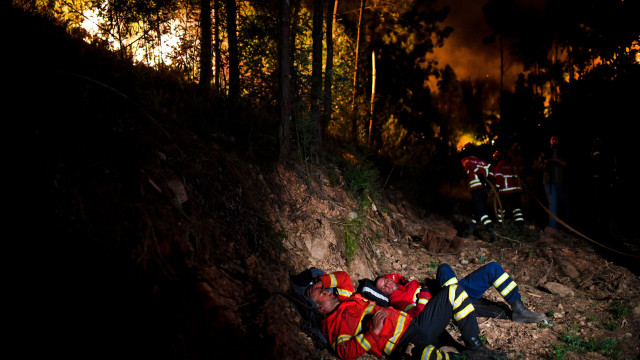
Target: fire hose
point(496, 203)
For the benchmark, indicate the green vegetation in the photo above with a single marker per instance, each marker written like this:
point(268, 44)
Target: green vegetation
point(361, 177)
point(571, 342)
point(620, 309)
point(482, 339)
point(351, 232)
point(609, 324)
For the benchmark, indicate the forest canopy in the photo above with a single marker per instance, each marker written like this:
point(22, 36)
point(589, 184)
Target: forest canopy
point(357, 72)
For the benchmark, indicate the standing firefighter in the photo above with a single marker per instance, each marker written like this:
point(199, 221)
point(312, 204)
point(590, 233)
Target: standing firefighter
point(507, 183)
point(477, 172)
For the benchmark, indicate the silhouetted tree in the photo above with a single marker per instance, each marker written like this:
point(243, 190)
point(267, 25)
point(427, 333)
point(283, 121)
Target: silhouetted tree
point(206, 70)
point(332, 7)
point(234, 61)
point(316, 69)
point(285, 80)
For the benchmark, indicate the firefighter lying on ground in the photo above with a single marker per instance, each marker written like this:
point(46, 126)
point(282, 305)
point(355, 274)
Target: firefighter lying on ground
point(412, 296)
point(354, 325)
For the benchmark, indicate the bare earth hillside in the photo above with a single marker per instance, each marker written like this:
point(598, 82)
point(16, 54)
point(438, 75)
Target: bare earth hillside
point(138, 238)
point(558, 273)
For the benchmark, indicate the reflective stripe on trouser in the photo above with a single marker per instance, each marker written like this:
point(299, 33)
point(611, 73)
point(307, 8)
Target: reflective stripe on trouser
point(486, 220)
point(450, 303)
point(431, 353)
point(476, 283)
point(517, 215)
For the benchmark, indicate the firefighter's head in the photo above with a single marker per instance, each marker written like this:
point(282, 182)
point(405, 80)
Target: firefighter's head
point(325, 300)
point(498, 155)
point(386, 285)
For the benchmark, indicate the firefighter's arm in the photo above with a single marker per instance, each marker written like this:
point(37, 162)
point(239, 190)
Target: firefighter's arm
point(482, 179)
point(422, 298)
point(351, 347)
point(339, 280)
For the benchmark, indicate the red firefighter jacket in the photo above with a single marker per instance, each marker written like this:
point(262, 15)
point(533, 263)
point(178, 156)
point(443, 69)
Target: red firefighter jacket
point(505, 178)
point(340, 282)
point(347, 328)
point(475, 167)
point(410, 297)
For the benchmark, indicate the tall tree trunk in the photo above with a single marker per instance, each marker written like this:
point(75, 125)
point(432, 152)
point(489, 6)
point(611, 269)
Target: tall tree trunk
point(332, 8)
point(206, 70)
point(316, 68)
point(292, 45)
point(234, 62)
point(373, 92)
point(501, 75)
point(501, 65)
point(285, 82)
point(354, 121)
point(216, 44)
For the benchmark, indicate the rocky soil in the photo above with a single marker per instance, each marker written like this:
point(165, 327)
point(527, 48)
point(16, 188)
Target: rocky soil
point(141, 239)
point(559, 273)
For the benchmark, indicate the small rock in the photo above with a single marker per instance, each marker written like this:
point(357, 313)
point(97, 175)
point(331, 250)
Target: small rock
point(558, 289)
point(352, 215)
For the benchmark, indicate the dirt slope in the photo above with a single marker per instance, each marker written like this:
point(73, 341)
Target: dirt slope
point(138, 238)
point(558, 273)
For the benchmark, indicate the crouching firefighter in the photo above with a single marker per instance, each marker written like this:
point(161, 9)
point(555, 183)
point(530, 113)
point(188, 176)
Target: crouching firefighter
point(509, 188)
point(477, 171)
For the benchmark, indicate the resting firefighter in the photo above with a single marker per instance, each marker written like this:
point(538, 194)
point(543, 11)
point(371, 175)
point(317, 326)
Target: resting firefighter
point(412, 296)
point(507, 182)
point(354, 325)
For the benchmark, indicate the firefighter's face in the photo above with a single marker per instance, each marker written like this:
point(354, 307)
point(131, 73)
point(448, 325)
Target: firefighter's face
point(314, 291)
point(386, 286)
point(324, 298)
point(554, 141)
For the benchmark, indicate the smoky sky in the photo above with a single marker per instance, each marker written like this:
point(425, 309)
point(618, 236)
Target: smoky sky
point(465, 51)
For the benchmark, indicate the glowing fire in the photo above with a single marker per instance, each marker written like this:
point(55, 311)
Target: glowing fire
point(169, 43)
point(468, 138)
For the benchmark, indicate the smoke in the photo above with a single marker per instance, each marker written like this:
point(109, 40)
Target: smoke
point(465, 51)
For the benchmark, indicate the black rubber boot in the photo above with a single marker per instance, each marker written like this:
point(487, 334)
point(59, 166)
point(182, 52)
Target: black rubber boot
point(523, 315)
point(478, 351)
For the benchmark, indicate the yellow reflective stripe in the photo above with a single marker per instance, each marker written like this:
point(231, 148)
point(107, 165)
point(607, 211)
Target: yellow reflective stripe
point(501, 279)
point(508, 289)
point(452, 294)
point(451, 281)
point(343, 292)
point(341, 338)
point(463, 313)
point(388, 348)
point(363, 342)
point(409, 307)
point(446, 356)
point(426, 353)
point(423, 301)
point(463, 296)
point(366, 312)
point(334, 281)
